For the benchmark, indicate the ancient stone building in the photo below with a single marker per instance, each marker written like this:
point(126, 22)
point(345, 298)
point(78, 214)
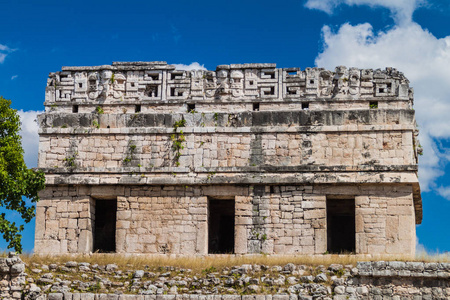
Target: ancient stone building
point(142, 158)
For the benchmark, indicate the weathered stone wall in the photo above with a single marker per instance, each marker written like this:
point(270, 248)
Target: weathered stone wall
point(159, 81)
point(337, 145)
point(276, 142)
point(269, 219)
point(85, 281)
point(12, 276)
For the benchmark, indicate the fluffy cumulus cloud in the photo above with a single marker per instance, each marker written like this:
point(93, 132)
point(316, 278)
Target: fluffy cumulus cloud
point(423, 58)
point(402, 10)
point(192, 66)
point(30, 138)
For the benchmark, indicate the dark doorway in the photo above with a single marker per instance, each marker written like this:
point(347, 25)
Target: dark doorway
point(341, 225)
point(221, 226)
point(105, 225)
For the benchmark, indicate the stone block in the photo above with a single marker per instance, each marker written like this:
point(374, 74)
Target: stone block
point(85, 241)
point(320, 238)
point(314, 214)
point(55, 296)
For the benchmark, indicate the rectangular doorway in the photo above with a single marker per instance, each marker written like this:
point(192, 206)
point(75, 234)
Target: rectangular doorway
point(105, 225)
point(221, 223)
point(341, 225)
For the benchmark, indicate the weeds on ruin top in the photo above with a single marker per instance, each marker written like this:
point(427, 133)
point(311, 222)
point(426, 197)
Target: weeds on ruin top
point(197, 264)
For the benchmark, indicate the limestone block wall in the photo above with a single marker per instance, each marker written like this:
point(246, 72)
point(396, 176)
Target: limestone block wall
point(229, 150)
point(281, 145)
point(268, 219)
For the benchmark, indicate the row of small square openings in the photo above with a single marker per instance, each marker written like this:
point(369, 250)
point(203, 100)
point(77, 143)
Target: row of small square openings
point(137, 108)
point(191, 107)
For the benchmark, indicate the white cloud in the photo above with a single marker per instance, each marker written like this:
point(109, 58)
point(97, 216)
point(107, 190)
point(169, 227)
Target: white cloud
point(402, 10)
point(444, 192)
point(30, 138)
point(14, 77)
point(4, 51)
point(423, 58)
point(420, 249)
point(192, 66)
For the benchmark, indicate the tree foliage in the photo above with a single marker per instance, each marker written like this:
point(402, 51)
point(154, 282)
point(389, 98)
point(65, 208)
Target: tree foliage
point(16, 180)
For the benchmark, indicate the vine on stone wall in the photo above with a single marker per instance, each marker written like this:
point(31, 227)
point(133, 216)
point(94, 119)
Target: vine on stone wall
point(69, 161)
point(177, 139)
point(131, 151)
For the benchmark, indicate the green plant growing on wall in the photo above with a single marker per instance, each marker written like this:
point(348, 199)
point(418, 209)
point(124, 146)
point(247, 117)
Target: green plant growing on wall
point(373, 105)
point(69, 161)
point(210, 175)
point(419, 149)
point(99, 110)
point(216, 118)
point(131, 151)
point(113, 79)
point(177, 139)
point(96, 124)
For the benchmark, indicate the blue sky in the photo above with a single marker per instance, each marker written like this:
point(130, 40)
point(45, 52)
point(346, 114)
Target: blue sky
point(38, 37)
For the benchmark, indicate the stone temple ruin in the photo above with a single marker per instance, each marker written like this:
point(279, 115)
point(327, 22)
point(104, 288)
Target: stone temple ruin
point(142, 158)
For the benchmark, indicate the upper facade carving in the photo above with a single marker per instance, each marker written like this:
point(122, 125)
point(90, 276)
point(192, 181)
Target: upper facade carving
point(160, 82)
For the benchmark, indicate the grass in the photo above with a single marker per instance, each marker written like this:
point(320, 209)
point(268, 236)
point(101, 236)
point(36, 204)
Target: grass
point(201, 270)
point(199, 263)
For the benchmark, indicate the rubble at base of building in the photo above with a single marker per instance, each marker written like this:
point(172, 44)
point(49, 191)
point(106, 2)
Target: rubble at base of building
point(365, 280)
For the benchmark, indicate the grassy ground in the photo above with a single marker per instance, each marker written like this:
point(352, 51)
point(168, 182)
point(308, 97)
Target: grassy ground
point(217, 261)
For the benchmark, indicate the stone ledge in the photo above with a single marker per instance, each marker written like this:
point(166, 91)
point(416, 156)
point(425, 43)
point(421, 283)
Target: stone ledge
point(404, 269)
point(240, 170)
point(205, 130)
point(233, 178)
point(295, 120)
point(126, 101)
